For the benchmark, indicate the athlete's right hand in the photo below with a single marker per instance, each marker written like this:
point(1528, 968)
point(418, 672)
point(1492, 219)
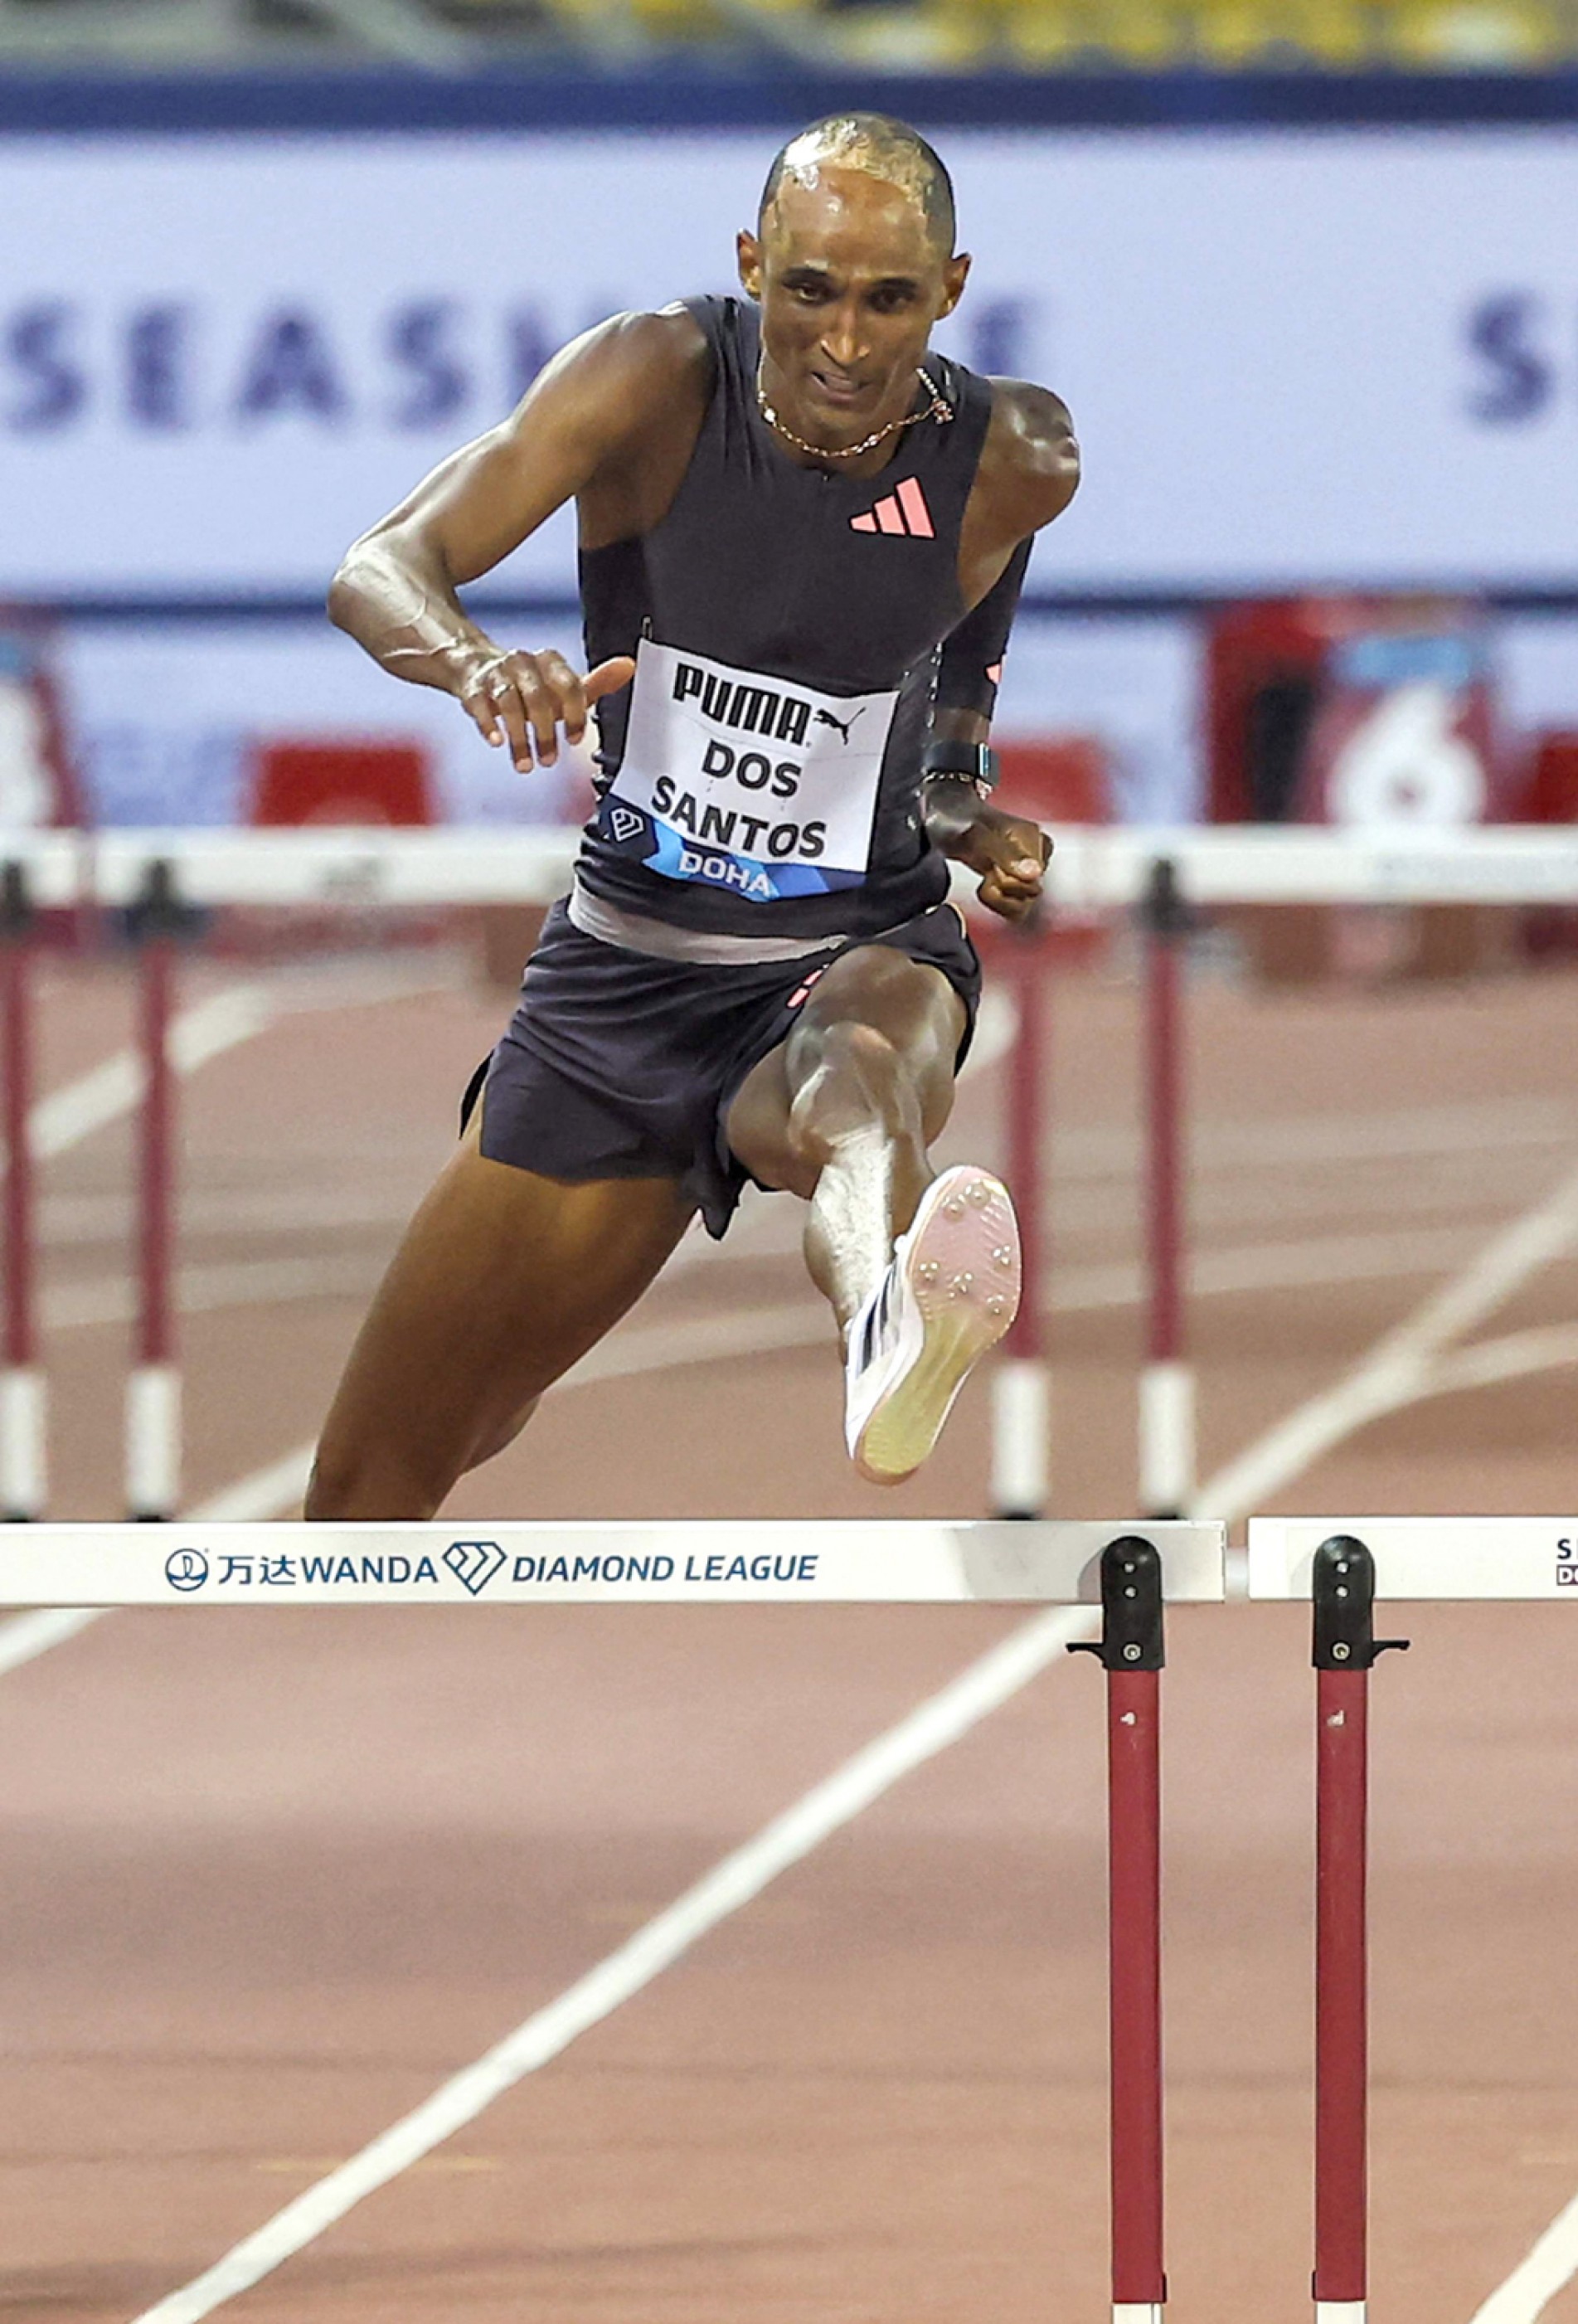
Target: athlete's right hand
point(521, 700)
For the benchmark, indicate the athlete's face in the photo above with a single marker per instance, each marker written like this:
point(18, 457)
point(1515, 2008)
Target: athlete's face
point(851, 283)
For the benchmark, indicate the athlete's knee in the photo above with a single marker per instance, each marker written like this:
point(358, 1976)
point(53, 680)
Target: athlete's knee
point(860, 1079)
point(350, 1482)
point(495, 1438)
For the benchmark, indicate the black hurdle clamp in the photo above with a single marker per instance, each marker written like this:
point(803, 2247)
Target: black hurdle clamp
point(1164, 910)
point(15, 903)
point(158, 911)
point(1345, 1608)
point(1131, 1630)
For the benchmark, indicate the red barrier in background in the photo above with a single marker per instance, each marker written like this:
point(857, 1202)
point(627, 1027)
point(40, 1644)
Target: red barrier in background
point(1063, 780)
point(1553, 788)
point(312, 782)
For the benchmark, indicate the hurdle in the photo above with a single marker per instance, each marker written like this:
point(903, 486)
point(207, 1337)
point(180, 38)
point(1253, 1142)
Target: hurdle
point(22, 1382)
point(152, 1461)
point(1167, 1380)
point(1132, 1651)
point(42, 871)
point(1021, 1378)
point(1125, 1570)
point(154, 877)
point(1340, 1566)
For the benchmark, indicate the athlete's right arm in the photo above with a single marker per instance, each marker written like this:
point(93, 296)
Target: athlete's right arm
point(585, 422)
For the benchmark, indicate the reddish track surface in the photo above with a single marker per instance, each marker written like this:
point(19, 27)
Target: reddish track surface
point(265, 1882)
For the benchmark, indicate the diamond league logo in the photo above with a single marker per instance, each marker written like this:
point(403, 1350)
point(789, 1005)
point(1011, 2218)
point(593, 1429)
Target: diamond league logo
point(474, 1564)
point(626, 824)
point(186, 1569)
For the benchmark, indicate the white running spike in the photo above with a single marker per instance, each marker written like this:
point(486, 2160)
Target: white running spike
point(944, 1300)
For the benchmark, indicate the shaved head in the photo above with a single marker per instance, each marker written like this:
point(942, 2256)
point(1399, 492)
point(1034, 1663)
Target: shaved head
point(882, 148)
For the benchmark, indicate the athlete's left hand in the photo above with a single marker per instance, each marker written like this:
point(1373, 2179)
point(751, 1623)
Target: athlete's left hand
point(1010, 851)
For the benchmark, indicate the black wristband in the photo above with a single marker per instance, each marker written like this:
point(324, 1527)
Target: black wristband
point(967, 762)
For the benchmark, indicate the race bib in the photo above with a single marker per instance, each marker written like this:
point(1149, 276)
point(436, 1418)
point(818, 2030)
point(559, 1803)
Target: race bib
point(758, 785)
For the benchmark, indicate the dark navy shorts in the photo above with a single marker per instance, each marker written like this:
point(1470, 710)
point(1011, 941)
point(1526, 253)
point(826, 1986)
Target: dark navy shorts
point(619, 1066)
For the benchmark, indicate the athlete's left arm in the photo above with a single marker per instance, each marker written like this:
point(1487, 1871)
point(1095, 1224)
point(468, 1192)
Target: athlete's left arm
point(1029, 472)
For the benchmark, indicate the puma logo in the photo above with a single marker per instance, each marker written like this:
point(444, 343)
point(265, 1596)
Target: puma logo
point(826, 718)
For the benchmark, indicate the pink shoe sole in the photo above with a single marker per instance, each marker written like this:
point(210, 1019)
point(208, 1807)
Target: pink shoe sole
point(960, 1260)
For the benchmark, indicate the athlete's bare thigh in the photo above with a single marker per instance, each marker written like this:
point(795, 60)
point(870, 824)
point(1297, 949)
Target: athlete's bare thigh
point(503, 1281)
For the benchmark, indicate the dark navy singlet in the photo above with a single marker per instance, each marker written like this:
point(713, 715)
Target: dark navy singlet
point(761, 776)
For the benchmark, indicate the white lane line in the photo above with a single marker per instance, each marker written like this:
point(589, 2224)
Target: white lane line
point(70, 1222)
point(27, 1635)
point(1547, 1347)
point(1288, 1140)
point(930, 1729)
point(250, 1501)
point(1531, 2287)
point(204, 1290)
point(1400, 1364)
point(207, 1288)
point(254, 1499)
point(205, 1030)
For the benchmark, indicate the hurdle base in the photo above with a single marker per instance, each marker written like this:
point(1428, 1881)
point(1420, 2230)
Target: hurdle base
point(1140, 2312)
point(153, 1442)
point(23, 1438)
point(1341, 2311)
point(1167, 1437)
point(1020, 1425)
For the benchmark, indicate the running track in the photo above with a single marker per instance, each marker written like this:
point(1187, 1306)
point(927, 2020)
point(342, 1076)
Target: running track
point(268, 1884)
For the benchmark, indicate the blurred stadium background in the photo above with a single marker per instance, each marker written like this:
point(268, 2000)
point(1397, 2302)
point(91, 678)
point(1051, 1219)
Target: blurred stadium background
point(1304, 270)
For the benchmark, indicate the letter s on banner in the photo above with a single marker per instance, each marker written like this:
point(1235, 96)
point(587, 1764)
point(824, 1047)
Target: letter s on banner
point(1520, 381)
point(419, 344)
point(37, 347)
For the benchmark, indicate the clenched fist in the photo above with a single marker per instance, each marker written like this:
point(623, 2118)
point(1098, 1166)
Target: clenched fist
point(1010, 851)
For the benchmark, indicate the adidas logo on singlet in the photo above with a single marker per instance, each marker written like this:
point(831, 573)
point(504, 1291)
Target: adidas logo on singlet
point(904, 514)
point(734, 702)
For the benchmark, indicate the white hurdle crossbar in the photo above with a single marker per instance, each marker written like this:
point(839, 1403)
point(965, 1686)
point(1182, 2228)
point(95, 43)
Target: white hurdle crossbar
point(770, 1562)
point(1094, 868)
point(1450, 1558)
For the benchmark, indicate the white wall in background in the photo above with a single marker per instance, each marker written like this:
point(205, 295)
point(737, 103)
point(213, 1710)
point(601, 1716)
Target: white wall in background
point(1328, 357)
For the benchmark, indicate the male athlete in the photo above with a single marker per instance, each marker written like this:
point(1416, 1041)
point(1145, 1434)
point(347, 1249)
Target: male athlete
point(803, 536)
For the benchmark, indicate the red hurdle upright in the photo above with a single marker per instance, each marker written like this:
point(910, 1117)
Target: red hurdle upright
point(1021, 1395)
point(1346, 1649)
point(22, 1464)
point(1132, 1650)
point(153, 1424)
point(1166, 1384)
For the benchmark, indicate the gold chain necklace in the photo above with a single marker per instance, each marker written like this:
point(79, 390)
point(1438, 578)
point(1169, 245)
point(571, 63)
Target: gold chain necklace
point(938, 408)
